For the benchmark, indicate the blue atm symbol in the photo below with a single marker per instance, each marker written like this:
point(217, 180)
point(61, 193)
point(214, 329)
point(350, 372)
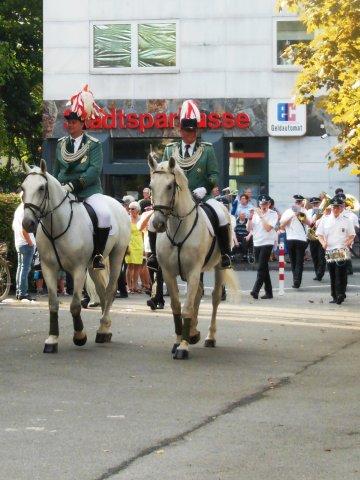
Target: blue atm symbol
point(283, 112)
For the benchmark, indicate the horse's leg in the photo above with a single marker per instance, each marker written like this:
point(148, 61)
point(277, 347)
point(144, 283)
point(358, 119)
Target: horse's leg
point(210, 340)
point(182, 352)
point(173, 290)
point(194, 332)
point(103, 335)
point(79, 337)
point(51, 343)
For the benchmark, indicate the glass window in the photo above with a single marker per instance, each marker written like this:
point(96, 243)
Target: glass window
point(137, 150)
point(289, 32)
point(112, 45)
point(134, 47)
point(157, 45)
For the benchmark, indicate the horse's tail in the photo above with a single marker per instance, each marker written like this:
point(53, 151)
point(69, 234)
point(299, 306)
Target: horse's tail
point(231, 281)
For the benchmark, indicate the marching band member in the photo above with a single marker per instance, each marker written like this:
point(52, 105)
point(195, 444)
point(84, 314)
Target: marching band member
point(355, 220)
point(262, 225)
point(336, 233)
point(295, 221)
point(198, 160)
point(78, 165)
point(316, 249)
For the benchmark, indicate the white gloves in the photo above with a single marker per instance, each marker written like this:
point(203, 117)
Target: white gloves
point(68, 187)
point(199, 192)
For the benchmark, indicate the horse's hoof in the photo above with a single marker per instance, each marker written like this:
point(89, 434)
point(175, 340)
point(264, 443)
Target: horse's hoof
point(194, 339)
point(79, 342)
point(51, 348)
point(209, 342)
point(103, 337)
point(175, 346)
point(181, 354)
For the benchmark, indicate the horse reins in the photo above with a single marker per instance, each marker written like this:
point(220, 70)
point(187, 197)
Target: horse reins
point(170, 213)
point(43, 214)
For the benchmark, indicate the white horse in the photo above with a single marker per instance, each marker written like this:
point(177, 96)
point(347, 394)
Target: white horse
point(182, 248)
point(64, 239)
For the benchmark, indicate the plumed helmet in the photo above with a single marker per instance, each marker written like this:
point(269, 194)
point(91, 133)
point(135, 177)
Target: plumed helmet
point(82, 106)
point(189, 115)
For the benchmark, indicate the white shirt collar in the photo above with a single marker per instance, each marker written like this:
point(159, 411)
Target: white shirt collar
point(191, 149)
point(77, 142)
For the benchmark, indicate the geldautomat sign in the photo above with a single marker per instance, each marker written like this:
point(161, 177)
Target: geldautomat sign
point(285, 118)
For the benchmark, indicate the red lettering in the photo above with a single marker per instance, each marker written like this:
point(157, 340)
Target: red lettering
point(228, 120)
point(161, 120)
point(109, 117)
point(146, 121)
point(203, 120)
point(95, 123)
point(214, 120)
point(172, 118)
point(132, 120)
point(121, 123)
point(242, 120)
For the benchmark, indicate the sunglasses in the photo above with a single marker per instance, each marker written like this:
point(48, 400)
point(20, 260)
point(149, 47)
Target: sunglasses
point(133, 209)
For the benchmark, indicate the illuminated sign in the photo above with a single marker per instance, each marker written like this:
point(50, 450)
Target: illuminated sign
point(285, 118)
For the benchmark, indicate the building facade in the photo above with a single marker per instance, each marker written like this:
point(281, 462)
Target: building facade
point(142, 59)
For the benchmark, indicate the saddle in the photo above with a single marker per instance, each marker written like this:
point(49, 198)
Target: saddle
point(214, 220)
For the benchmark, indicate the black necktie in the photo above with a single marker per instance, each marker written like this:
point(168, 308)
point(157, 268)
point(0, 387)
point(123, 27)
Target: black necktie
point(187, 154)
point(72, 145)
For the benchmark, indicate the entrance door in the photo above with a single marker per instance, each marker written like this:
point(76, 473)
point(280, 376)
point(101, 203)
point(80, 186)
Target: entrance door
point(247, 164)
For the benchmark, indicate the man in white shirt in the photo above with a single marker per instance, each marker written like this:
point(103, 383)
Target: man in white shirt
point(316, 250)
point(25, 247)
point(355, 220)
point(295, 220)
point(262, 225)
point(336, 231)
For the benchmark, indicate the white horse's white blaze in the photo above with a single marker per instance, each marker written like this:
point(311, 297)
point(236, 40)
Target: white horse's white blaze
point(74, 247)
point(170, 189)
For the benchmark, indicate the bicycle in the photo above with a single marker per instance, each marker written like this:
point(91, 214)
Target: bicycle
point(5, 280)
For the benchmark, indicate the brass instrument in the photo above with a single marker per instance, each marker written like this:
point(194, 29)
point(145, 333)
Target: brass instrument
point(352, 203)
point(325, 202)
point(301, 217)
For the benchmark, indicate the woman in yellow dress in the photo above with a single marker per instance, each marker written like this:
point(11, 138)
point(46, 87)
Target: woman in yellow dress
point(134, 257)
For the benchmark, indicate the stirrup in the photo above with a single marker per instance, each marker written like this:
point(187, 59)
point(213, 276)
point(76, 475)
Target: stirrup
point(98, 262)
point(225, 261)
point(152, 262)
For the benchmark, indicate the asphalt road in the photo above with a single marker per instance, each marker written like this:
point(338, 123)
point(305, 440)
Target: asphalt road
point(278, 398)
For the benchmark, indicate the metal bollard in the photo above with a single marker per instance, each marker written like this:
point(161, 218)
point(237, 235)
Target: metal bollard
point(281, 268)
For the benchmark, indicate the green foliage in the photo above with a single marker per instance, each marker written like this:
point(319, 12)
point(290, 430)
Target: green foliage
point(330, 63)
point(10, 180)
point(20, 79)
point(8, 204)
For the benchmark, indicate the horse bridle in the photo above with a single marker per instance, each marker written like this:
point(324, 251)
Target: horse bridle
point(43, 213)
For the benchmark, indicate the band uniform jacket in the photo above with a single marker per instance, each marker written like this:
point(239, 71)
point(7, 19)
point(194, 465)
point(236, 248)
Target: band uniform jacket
point(205, 172)
point(85, 171)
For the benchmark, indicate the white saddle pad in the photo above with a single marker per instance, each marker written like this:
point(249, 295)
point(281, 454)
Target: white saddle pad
point(208, 223)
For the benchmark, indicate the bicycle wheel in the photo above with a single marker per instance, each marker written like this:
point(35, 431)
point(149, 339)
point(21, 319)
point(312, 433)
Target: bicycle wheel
point(4, 279)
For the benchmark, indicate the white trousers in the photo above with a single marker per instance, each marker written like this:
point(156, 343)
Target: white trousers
point(217, 206)
point(101, 210)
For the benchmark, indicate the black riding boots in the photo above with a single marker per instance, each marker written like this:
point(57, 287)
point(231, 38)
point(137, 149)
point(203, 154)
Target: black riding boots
point(223, 237)
point(100, 239)
point(152, 262)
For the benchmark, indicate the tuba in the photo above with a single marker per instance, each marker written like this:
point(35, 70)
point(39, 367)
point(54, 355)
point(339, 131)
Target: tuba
point(325, 202)
point(352, 203)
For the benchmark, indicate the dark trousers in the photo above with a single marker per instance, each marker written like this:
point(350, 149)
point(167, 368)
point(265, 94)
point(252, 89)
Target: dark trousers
point(122, 279)
point(296, 250)
point(318, 258)
point(338, 278)
point(262, 257)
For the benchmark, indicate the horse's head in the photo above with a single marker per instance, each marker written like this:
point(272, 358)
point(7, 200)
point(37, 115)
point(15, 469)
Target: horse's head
point(35, 195)
point(163, 187)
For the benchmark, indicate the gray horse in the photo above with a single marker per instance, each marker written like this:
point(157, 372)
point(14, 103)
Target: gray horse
point(64, 239)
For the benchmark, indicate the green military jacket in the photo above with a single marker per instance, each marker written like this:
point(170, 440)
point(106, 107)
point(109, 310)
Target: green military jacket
point(83, 168)
point(205, 172)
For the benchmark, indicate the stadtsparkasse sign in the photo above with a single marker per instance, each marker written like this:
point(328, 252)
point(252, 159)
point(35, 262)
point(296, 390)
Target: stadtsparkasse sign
point(117, 118)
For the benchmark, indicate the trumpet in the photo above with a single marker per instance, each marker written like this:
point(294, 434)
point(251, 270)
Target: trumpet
point(325, 202)
point(352, 203)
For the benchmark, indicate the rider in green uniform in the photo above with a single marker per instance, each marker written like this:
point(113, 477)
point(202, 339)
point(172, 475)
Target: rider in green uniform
point(78, 165)
point(199, 163)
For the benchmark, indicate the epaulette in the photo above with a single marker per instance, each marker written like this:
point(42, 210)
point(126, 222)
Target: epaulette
point(62, 138)
point(206, 143)
point(170, 144)
point(93, 139)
